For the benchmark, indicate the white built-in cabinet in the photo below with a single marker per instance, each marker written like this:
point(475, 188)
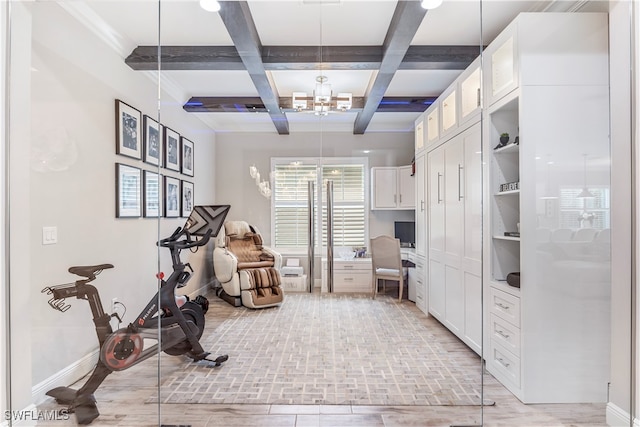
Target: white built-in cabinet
point(392, 188)
point(546, 83)
point(543, 80)
point(454, 233)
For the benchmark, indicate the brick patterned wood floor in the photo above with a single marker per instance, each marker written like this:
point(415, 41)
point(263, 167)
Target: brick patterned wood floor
point(124, 398)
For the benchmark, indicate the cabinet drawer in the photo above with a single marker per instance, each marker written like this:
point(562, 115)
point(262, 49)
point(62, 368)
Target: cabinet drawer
point(352, 281)
point(350, 266)
point(505, 364)
point(506, 334)
point(505, 306)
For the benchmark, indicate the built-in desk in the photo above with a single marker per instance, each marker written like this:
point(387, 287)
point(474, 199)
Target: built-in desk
point(352, 275)
point(355, 275)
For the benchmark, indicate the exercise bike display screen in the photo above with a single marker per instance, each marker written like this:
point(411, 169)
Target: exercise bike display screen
point(203, 218)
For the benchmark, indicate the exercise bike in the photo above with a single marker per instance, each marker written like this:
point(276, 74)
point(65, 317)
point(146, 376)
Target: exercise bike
point(175, 329)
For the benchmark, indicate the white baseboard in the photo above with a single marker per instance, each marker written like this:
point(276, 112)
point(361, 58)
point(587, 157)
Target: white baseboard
point(65, 377)
point(618, 417)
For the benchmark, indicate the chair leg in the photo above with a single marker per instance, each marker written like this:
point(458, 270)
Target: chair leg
point(401, 283)
point(375, 287)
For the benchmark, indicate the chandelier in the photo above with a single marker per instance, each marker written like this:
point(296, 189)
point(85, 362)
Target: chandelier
point(322, 102)
point(263, 186)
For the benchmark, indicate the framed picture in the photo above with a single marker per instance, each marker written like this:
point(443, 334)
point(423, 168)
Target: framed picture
point(171, 197)
point(152, 195)
point(128, 127)
point(187, 198)
point(152, 141)
point(171, 149)
point(128, 191)
point(187, 157)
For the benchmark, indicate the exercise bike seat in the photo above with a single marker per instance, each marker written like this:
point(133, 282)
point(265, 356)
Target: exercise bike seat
point(89, 271)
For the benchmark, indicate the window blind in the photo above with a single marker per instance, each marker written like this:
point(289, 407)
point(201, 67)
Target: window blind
point(290, 193)
point(290, 206)
point(348, 204)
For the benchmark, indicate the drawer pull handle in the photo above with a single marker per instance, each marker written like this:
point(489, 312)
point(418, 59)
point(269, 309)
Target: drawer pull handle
point(348, 279)
point(502, 334)
point(502, 306)
point(503, 363)
point(348, 267)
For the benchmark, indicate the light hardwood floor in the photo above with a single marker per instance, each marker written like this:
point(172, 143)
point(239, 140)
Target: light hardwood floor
point(122, 401)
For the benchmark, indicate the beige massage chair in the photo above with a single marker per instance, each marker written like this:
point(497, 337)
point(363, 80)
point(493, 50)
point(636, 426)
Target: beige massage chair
point(248, 271)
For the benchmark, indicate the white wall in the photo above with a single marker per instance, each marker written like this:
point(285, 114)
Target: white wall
point(63, 109)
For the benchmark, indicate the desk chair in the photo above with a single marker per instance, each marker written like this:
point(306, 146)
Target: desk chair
point(386, 262)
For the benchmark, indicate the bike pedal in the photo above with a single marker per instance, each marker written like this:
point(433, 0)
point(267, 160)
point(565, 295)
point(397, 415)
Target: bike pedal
point(219, 360)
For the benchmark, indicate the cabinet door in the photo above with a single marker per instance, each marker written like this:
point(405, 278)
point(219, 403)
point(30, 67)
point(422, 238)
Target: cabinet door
point(433, 124)
point(502, 75)
point(454, 200)
point(449, 111)
point(435, 185)
point(472, 252)
point(419, 136)
point(472, 285)
point(421, 205)
point(406, 188)
point(436, 296)
point(435, 233)
point(385, 186)
point(470, 93)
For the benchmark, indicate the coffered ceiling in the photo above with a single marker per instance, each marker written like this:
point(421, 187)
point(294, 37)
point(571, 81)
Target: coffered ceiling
point(237, 69)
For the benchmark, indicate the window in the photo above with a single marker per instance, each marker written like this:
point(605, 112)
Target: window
point(290, 201)
point(591, 212)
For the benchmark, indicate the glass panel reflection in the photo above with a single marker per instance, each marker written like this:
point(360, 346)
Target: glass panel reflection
point(113, 154)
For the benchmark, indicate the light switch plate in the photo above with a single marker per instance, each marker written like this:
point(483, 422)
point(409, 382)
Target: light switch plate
point(49, 235)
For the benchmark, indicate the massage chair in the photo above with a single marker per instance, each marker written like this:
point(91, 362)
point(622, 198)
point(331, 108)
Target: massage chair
point(247, 270)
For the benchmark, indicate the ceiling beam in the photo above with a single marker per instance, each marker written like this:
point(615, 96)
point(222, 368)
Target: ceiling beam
point(406, 19)
point(237, 18)
point(211, 104)
point(293, 58)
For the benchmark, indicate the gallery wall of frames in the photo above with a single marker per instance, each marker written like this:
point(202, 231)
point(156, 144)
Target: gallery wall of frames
point(145, 192)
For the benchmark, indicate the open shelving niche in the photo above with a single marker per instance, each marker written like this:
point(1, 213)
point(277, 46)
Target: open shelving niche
point(505, 168)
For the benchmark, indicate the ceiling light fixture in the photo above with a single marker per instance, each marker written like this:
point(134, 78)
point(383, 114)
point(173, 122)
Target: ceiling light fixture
point(322, 102)
point(430, 4)
point(585, 193)
point(210, 5)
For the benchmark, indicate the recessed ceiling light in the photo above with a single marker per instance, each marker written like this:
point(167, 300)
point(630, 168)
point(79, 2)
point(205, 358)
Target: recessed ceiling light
point(430, 4)
point(366, 151)
point(210, 5)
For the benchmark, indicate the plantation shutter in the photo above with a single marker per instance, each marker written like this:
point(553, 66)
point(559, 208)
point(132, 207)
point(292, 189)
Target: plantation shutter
point(290, 203)
point(348, 204)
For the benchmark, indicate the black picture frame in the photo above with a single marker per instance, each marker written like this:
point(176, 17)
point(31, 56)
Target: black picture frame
point(152, 195)
point(128, 191)
point(171, 197)
point(188, 198)
point(171, 149)
point(186, 156)
point(128, 130)
point(153, 141)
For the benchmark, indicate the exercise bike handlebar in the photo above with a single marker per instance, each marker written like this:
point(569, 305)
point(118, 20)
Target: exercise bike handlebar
point(174, 241)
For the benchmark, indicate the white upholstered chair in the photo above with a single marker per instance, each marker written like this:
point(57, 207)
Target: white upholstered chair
point(386, 262)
